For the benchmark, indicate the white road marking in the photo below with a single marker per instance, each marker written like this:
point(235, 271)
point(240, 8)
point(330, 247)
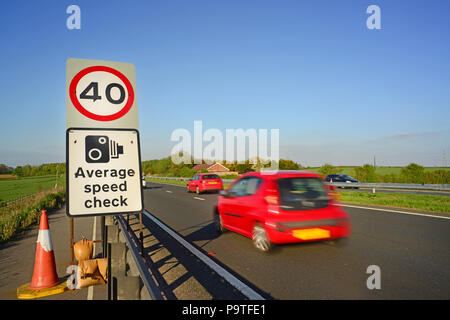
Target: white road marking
point(395, 211)
point(235, 282)
point(198, 198)
point(90, 295)
point(168, 191)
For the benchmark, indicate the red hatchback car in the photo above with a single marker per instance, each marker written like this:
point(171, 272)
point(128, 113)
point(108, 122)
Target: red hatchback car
point(204, 182)
point(282, 207)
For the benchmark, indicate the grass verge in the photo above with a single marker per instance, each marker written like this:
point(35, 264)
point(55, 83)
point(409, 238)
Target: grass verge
point(430, 203)
point(21, 214)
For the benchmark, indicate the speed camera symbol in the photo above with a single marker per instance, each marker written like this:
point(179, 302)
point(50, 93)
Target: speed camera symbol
point(100, 149)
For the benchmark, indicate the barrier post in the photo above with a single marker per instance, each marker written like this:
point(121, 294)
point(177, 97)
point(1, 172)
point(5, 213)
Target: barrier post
point(102, 227)
point(141, 235)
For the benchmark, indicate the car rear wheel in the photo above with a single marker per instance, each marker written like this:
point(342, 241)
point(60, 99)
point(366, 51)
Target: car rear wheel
point(187, 189)
point(218, 224)
point(260, 238)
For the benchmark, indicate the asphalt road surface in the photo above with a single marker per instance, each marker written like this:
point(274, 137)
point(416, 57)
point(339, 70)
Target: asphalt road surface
point(412, 252)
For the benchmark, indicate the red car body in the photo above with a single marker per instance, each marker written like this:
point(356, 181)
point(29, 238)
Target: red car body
point(278, 203)
point(204, 182)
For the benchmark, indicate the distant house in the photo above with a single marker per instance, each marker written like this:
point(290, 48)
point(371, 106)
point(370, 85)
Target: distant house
point(216, 168)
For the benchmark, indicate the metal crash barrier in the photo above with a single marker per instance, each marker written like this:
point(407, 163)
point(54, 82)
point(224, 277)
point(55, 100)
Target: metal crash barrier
point(398, 186)
point(129, 277)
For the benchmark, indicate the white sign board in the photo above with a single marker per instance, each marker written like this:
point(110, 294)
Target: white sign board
point(100, 94)
point(103, 172)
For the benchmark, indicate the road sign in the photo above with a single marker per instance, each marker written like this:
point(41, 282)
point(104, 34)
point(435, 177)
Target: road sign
point(103, 172)
point(100, 94)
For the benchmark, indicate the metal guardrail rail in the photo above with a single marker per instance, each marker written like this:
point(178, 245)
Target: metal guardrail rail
point(145, 275)
point(406, 186)
point(182, 179)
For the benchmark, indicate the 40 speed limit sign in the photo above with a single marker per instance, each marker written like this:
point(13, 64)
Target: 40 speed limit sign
point(101, 94)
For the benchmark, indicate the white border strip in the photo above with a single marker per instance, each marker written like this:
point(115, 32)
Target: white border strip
point(395, 211)
point(235, 282)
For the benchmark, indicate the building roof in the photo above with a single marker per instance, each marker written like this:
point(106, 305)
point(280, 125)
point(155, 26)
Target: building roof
point(205, 166)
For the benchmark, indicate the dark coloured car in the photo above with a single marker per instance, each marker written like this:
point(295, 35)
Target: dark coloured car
point(341, 178)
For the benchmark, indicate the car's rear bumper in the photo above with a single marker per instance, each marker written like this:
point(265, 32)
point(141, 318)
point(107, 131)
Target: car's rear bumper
point(289, 233)
point(211, 187)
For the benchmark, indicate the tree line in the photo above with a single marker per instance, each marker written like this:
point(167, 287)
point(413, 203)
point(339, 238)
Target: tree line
point(31, 171)
point(412, 173)
point(165, 167)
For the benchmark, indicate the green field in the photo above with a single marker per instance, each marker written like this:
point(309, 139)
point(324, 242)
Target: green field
point(14, 188)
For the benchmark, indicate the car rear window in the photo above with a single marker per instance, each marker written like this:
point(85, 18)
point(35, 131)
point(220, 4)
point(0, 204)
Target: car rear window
point(210, 176)
point(300, 193)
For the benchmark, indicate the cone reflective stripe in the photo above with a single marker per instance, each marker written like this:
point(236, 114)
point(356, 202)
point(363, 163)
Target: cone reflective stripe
point(45, 240)
point(44, 274)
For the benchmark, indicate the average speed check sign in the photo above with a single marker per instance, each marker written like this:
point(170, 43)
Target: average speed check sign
point(103, 172)
point(100, 94)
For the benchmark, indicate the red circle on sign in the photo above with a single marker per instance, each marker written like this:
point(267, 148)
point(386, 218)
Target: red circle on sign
point(82, 110)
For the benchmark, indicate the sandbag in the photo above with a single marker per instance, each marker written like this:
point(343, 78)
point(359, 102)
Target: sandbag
point(88, 273)
point(87, 267)
point(83, 249)
point(103, 267)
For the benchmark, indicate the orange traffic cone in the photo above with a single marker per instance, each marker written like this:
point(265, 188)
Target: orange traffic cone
point(44, 275)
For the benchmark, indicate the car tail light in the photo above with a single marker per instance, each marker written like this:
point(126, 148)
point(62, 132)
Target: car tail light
point(273, 201)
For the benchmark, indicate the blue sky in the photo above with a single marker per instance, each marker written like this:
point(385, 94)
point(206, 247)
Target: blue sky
point(339, 92)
